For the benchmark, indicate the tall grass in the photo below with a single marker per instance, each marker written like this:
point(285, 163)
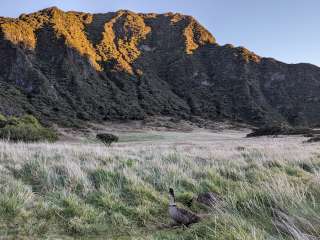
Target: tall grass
point(270, 189)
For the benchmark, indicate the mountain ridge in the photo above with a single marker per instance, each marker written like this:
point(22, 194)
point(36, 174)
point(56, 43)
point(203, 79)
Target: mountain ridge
point(68, 66)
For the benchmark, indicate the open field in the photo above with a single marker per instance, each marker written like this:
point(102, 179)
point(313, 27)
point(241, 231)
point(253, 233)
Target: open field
point(270, 187)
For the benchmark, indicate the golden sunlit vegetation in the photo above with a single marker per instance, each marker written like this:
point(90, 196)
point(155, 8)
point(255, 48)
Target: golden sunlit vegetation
point(121, 37)
point(196, 36)
point(121, 34)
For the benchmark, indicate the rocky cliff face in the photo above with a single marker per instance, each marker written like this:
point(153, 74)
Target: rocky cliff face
point(66, 66)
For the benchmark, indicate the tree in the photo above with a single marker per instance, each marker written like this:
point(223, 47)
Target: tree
point(107, 138)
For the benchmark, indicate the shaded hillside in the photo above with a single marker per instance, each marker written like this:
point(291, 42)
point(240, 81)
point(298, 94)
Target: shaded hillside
point(69, 66)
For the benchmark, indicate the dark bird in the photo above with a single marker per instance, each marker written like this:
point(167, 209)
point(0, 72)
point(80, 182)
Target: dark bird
point(179, 215)
point(208, 199)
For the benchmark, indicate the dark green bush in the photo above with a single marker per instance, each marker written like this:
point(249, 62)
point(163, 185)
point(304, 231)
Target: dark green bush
point(280, 130)
point(26, 129)
point(3, 121)
point(107, 138)
point(314, 139)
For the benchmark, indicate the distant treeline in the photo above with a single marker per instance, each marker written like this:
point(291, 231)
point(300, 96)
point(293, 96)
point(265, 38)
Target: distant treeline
point(283, 130)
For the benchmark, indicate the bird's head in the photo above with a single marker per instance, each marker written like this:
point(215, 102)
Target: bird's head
point(171, 192)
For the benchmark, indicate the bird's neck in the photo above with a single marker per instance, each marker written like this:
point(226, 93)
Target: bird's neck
point(172, 202)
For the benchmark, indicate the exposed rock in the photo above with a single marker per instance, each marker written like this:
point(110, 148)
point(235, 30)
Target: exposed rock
point(69, 66)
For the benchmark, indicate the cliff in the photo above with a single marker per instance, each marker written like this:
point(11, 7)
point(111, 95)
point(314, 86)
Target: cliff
point(68, 66)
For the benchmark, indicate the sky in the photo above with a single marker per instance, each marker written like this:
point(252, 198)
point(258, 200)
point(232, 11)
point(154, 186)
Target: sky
point(287, 30)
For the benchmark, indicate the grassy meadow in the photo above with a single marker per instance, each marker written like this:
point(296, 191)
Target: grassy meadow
point(270, 187)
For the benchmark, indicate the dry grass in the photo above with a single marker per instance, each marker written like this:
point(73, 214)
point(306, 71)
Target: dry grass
point(270, 187)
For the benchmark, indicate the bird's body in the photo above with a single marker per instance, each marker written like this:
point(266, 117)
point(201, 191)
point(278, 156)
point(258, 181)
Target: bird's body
point(179, 215)
point(209, 199)
point(183, 216)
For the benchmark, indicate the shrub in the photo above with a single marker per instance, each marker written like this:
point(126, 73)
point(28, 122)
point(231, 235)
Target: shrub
point(314, 139)
point(3, 121)
point(29, 119)
point(280, 130)
point(25, 129)
point(107, 138)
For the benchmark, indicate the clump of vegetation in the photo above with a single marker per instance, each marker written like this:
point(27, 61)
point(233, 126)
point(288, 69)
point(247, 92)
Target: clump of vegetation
point(280, 130)
point(248, 55)
point(3, 121)
point(25, 129)
point(195, 34)
point(107, 138)
point(314, 139)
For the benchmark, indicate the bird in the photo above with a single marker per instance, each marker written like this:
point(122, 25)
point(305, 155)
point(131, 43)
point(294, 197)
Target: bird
point(179, 215)
point(209, 199)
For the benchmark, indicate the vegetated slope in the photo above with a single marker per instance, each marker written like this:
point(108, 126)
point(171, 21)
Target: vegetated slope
point(69, 66)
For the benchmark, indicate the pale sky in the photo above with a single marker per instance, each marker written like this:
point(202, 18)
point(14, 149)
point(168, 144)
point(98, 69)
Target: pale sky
point(287, 30)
